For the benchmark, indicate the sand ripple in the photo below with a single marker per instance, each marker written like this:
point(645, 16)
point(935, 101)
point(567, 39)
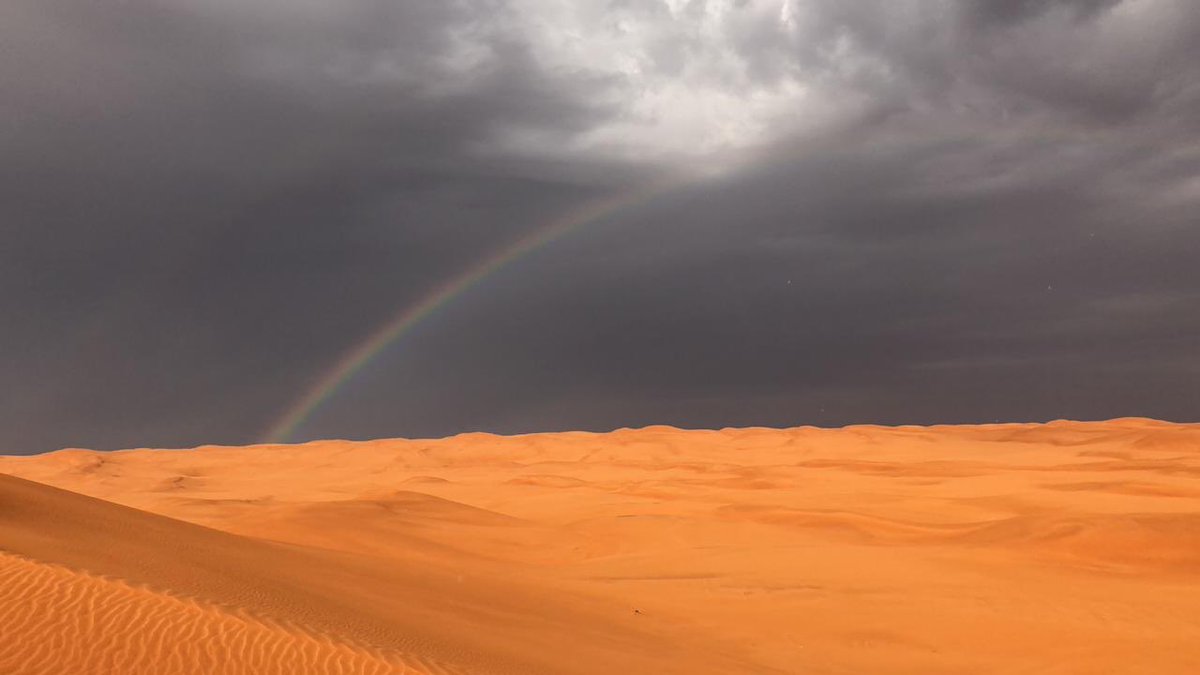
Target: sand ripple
point(55, 620)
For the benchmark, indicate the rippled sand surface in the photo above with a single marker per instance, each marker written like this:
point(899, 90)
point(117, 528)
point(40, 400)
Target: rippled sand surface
point(1059, 548)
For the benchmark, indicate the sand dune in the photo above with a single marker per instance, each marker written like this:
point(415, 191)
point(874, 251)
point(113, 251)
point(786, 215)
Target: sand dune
point(57, 620)
point(1058, 548)
point(468, 619)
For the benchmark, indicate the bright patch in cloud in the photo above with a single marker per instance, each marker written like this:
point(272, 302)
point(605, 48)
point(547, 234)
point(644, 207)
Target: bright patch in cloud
point(680, 78)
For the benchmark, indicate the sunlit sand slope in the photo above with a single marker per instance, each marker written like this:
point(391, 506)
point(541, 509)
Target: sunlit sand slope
point(60, 621)
point(363, 611)
point(1058, 548)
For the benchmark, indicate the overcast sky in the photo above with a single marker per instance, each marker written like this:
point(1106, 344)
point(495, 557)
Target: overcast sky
point(890, 211)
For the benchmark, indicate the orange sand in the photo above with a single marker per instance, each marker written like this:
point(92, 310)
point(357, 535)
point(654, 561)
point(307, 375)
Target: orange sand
point(1059, 548)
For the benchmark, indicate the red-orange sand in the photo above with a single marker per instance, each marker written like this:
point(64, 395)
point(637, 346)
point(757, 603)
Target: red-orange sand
point(1059, 548)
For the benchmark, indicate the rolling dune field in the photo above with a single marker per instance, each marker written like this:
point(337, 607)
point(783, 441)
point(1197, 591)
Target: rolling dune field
point(1066, 547)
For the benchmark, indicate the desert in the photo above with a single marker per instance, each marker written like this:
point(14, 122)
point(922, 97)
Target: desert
point(1067, 547)
point(582, 337)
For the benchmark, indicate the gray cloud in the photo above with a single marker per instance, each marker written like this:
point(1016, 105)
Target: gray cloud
point(966, 213)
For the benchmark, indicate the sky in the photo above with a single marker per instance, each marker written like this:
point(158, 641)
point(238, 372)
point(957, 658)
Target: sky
point(783, 212)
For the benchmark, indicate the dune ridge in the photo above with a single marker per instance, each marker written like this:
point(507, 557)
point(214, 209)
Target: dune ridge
point(1067, 547)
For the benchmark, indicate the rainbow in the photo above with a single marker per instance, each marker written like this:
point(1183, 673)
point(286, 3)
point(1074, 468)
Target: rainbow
point(356, 358)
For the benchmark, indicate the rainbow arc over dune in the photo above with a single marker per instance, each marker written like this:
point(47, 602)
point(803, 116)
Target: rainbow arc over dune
point(359, 356)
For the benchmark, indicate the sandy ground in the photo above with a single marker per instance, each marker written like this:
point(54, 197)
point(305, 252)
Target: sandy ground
point(1059, 548)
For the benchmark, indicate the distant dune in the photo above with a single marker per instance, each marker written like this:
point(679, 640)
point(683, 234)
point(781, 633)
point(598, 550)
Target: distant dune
point(1066, 547)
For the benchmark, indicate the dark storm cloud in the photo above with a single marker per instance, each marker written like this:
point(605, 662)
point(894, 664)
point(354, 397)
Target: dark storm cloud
point(988, 12)
point(856, 293)
point(201, 209)
point(205, 203)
